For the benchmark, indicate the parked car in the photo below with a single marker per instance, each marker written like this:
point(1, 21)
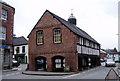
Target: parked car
point(110, 62)
point(117, 59)
point(15, 63)
point(102, 60)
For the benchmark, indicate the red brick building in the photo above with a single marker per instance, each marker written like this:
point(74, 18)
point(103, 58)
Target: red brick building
point(6, 32)
point(55, 43)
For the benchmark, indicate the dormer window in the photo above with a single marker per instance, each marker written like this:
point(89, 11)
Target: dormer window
point(57, 35)
point(39, 37)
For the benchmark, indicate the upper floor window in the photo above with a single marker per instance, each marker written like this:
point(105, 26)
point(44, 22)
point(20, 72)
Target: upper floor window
point(84, 41)
point(4, 14)
point(87, 43)
point(23, 49)
point(98, 46)
point(40, 37)
point(17, 50)
point(57, 35)
point(3, 33)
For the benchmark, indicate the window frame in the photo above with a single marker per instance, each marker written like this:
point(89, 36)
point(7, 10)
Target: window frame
point(42, 37)
point(59, 62)
point(23, 49)
point(55, 36)
point(3, 31)
point(17, 50)
point(4, 16)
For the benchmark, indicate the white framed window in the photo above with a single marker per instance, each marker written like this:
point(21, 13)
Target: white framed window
point(39, 37)
point(3, 33)
point(82, 41)
point(57, 35)
point(87, 42)
point(58, 63)
point(4, 14)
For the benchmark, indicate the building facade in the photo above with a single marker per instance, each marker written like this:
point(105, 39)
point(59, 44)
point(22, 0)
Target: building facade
point(55, 44)
point(6, 33)
point(103, 55)
point(20, 49)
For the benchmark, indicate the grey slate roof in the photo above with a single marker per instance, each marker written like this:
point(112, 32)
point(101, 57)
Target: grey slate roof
point(76, 30)
point(111, 51)
point(17, 41)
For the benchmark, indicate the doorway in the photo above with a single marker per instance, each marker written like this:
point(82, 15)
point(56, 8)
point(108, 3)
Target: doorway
point(40, 63)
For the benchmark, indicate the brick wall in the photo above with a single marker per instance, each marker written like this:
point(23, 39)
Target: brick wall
point(67, 49)
point(8, 23)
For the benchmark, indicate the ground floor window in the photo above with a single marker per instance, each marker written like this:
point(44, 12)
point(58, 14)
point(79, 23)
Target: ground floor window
point(58, 63)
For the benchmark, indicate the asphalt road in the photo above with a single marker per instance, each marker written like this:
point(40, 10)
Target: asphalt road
point(94, 73)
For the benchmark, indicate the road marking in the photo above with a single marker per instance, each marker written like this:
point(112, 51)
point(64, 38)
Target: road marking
point(18, 73)
point(82, 72)
point(7, 75)
point(70, 76)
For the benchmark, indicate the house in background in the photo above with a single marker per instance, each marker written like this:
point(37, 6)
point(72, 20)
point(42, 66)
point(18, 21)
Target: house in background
point(112, 53)
point(6, 33)
point(20, 49)
point(55, 44)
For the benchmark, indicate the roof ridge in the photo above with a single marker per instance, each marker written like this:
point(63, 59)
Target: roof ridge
point(73, 26)
point(70, 26)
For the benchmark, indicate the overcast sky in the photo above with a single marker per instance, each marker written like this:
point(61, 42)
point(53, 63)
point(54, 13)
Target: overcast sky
point(99, 18)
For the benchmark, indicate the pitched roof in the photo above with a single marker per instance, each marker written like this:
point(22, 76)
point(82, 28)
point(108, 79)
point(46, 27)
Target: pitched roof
point(111, 51)
point(103, 52)
point(72, 27)
point(19, 41)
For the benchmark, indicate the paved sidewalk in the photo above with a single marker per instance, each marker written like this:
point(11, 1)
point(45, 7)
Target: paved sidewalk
point(13, 69)
point(44, 73)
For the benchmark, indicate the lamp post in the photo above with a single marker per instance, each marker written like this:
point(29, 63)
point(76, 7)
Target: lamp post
point(118, 64)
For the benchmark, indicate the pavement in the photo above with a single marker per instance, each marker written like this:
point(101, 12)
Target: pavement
point(45, 73)
point(13, 69)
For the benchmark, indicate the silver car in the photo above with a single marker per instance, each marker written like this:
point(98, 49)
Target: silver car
point(110, 62)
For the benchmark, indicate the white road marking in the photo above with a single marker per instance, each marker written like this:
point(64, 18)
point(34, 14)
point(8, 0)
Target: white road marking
point(81, 72)
point(84, 72)
point(70, 76)
point(7, 75)
point(18, 73)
